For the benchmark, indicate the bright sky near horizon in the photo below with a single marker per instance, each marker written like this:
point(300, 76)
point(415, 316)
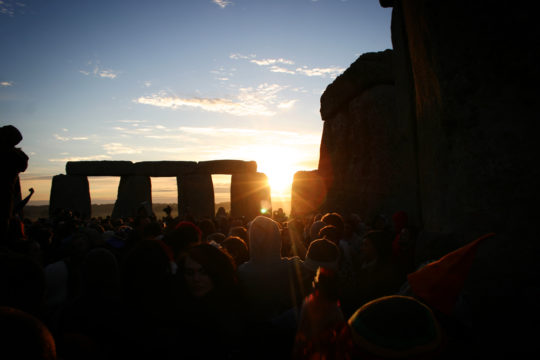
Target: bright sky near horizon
point(176, 80)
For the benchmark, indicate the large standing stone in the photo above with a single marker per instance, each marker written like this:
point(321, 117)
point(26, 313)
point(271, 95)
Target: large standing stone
point(474, 82)
point(367, 156)
point(477, 117)
point(164, 168)
point(100, 168)
point(134, 193)
point(370, 69)
point(227, 166)
point(308, 193)
point(196, 195)
point(250, 195)
point(70, 192)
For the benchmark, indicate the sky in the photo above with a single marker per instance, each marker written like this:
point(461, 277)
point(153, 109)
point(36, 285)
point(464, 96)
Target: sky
point(190, 80)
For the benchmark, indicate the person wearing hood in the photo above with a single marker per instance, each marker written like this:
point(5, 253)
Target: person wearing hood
point(270, 283)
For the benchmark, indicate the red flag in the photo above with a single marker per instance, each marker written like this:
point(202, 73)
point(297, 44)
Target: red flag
point(440, 283)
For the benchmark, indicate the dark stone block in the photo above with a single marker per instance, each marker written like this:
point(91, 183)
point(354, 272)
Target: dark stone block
point(196, 195)
point(100, 168)
point(70, 192)
point(164, 168)
point(250, 195)
point(134, 194)
point(227, 167)
point(368, 70)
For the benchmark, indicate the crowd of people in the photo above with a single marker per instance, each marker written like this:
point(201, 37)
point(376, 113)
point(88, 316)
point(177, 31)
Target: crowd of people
point(326, 286)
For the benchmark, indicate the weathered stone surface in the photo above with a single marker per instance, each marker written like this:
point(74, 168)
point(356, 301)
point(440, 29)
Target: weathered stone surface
point(134, 193)
point(227, 166)
point(100, 168)
point(196, 195)
point(164, 168)
point(250, 194)
point(70, 192)
point(368, 70)
point(308, 193)
point(367, 158)
point(476, 114)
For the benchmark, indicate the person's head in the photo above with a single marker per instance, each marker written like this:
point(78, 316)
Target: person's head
point(314, 230)
point(22, 283)
point(238, 249)
point(22, 336)
point(331, 233)
point(206, 269)
point(395, 327)
point(264, 239)
point(322, 253)
point(376, 245)
point(336, 220)
point(207, 227)
point(184, 235)
point(239, 231)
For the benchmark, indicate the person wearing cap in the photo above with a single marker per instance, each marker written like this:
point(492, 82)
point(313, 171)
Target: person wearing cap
point(392, 327)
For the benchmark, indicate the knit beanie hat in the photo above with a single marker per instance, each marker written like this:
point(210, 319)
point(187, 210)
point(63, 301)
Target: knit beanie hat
point(322, 253)
point(395, 327)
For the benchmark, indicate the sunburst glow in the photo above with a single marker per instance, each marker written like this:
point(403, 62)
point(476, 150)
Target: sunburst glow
point(279, 165)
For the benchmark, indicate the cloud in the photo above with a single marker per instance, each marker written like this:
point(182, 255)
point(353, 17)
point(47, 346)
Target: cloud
point(82, 158)
point(10, 7)
point(237, 56)
point(67, 138)
point(6, 83)
point(272, 65)
point(266, 62)
point(261, 100)
point(107, 74)
point(287, 104)
point(332, 71)
point(100, 72)
point(222, 3)
point(117, 148)
point(278, 69)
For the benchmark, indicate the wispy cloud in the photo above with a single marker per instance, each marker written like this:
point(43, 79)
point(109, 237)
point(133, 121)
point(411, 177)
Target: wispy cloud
point(261, 100)
point(222, 3)
point(237, 56)
point(287, 104)
point(278, 65)
point(332, 71)
point(81, 158)
point(6, 83)
point(279, 69)
point(10, 7)
point(266, 62)
point(98, 71)
point(69, 138)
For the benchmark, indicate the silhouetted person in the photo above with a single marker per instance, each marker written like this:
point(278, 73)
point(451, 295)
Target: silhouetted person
point(14, 161)
point(22, 336)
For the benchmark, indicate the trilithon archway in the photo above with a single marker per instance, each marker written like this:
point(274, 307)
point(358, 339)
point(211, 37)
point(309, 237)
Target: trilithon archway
point(194, 180)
